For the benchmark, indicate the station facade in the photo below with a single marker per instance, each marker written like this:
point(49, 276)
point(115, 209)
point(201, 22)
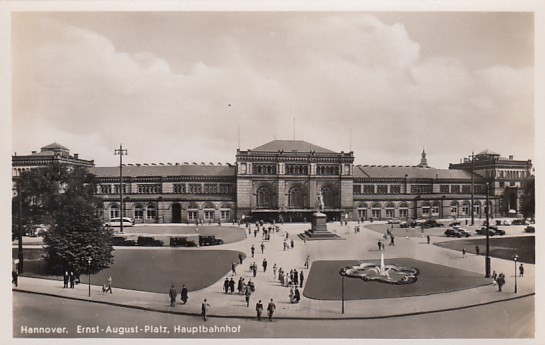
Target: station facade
point(280, 181)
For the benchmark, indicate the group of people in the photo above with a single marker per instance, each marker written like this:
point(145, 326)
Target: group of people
point(184, 296)
point(291, 279)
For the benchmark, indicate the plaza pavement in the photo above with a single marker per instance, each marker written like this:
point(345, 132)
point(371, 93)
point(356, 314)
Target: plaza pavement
point(360, 246)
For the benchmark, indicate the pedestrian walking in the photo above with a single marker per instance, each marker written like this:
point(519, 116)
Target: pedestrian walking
point(255, 233)
point(500, 281)
point(259, 310)
point(296, 295)
point(428, 238)
point(252, 250)
point(234, 268)
point(226, 285)
point(292, 296)
point(274, 270)
point(306, 261)
point(521, 270)
point(379, 243)
point(270, 309)
point(477, 249)
point(72, 279)
point(65, 279)
point(301, 278)
point(232, 286)
point(108, 286)
point(262, 247)
point(464, 252)
point(184, 295)
point(15, 277)
point(172, 293)
point(240, 258)
point(494, 278)
point(254, 269)
point(247, 295)
point(264, 265)
point(392, 243)
point(292, 243)
point(285, 245)
point(204, 309)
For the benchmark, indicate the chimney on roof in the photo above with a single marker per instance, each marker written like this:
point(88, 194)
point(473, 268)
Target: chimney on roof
point(511, 157)
point(465, 160)
point(33, 152)
point(76, 155)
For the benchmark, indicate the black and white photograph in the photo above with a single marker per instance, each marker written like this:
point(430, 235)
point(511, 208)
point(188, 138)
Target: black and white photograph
point(361, 173)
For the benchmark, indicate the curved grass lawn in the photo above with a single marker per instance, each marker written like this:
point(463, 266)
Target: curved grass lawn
point(154, 270)
point(500, 247)
point(324, 281)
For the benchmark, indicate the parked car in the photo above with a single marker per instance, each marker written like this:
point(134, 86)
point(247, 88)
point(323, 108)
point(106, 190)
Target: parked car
point(492, 230)
point(116, 222)
point(182, 242)
point(149, 242)
point(404, 224)
point(530, 229)
point(394, 221)
point(209, 241)
point(519, 222)
point(432, 223)
point(122, 241)
point(459, 232)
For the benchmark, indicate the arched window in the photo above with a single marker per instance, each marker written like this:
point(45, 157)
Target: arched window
point(263, 197)
point(390, 210)
point(114, 211)
point(403, 210)
point(209, 211)
point(435, 209)
point(193, 211)
point(138, 211)
point(150, 212)
point(426, 209)
point(465, 208)
point(329, 197)
point(295, 197)
point(454, 208)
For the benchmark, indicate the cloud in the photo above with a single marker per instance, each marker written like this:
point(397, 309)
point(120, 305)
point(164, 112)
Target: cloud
point(334, 73)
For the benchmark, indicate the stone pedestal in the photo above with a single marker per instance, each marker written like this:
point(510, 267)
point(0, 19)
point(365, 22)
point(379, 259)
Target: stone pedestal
point(319, 230)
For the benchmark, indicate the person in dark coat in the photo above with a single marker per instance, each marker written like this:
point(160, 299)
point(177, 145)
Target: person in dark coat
point(500, 281)
point(264, 265)
point(295, 277)
point(291, 243)
point(72, 279)
point(252, 250)
point(184, 295)
point(232, 286)
point(172, 293)
point(301, 278)
point(204, 309)
point(262, 247)
point(240, 258)
point(259, 310)
point(428, 237)
point(65, 279)
point(379, 245)
point(15, 277)
point(521, 270)
point(270, 309)
point(477, 249)
point(226, 285)
point(297, 295)
point(247, 295)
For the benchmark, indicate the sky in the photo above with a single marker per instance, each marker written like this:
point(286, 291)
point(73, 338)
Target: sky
point(189, 86)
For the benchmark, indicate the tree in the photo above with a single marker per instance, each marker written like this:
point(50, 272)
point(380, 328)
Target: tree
point(62, 197)
point(528, 202)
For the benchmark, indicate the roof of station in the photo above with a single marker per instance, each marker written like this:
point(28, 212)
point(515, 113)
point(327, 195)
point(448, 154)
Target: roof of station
point(388, 171)
point(166, 170)
point(291, 146)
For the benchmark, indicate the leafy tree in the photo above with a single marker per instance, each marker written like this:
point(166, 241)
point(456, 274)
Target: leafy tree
point(528, 202)
point(62, 197)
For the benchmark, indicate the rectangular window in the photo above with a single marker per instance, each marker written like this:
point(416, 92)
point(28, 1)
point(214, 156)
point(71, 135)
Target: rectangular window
point(192, 215)
point(444, 188)
point(208, 215)
point(389, 213)
point(421, 189)
point(455, 189)
point(357, 189)
point(382, 189)
point(376, 213)
point(465, 209)
point(425, 210)
point(435, 210)
point(179, 188)
point(368, 189)
point(225, 215)
point(138, 213)
point(454, 210)
point(466, 188)
point(403, 213)
point(362, 214)
point(502, 184)
point(148, 188)
point(395, 189)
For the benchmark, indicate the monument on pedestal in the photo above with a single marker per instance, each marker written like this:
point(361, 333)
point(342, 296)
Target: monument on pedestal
point(318, 229)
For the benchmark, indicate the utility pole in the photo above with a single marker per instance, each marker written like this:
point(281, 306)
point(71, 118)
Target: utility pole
point(487, 259)
point(473, 188)
point(121, 152)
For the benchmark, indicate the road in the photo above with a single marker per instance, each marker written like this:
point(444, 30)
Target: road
point(510, 319)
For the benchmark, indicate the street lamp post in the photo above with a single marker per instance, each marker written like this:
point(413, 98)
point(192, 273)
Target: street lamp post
point(121, 152)
point(343, 274)
point(20, 228)
point(487, 258)
point(89, 259)
point(515, 259)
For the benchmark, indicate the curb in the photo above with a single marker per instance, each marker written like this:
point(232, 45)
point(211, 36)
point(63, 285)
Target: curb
point(282, 317)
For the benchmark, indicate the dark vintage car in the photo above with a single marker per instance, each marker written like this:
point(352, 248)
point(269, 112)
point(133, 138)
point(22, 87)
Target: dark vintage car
point(209, 241)
point(455, 224)
point(519, 222)
point(149, 242)
point(122, 242)
point(530, 229)
point(431, 223)
point(459, 232)
point(182, 242)
point(492, 230)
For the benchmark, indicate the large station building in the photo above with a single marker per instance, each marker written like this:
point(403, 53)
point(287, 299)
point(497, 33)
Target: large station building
point(280, 181)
